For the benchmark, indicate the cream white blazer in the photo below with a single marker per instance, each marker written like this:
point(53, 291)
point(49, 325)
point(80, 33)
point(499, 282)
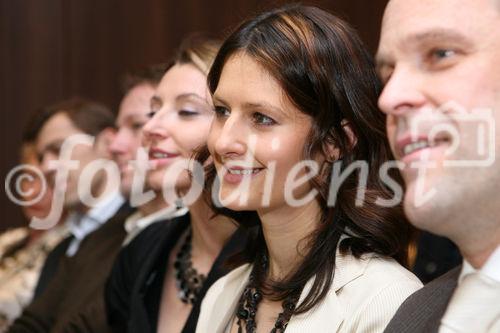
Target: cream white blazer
point(364, 296)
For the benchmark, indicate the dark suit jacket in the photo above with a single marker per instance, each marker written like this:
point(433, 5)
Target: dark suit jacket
point(134, 288)
point(78, 283)
point(422, 311)
point(51, 265)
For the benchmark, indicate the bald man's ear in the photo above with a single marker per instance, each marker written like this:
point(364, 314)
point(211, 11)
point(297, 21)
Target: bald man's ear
point(103, 142)
point(331, 151)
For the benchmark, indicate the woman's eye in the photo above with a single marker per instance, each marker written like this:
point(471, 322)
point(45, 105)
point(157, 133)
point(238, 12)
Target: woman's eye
point(150, 114)
point(262, 119)
point(187, 113)
point(221, 111)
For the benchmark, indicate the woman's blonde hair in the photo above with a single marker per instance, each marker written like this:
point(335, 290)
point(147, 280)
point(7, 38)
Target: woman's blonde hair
point(197, 50)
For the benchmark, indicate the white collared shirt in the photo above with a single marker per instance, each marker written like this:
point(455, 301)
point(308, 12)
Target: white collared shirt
point(136, 222)
point(491, 268)
point(80, 225)
point(472, 307)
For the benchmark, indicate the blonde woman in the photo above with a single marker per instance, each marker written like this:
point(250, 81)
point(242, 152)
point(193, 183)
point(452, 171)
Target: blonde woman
point(159, 280)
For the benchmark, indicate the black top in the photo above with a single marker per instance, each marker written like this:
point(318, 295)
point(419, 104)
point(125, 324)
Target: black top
point(436, 255)
point(134, 288)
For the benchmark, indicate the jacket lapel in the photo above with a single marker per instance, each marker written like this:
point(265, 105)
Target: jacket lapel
point(329, 313)
point(227, 301)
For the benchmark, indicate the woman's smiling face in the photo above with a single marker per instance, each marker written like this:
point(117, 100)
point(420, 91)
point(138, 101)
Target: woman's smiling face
point(180, 121)
point(256, 138)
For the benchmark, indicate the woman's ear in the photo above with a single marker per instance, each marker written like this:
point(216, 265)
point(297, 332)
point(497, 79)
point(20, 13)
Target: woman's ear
point(353, 140)
point(331, 151)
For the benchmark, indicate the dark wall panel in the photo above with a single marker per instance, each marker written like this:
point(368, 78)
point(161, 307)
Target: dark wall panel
point(32, 75)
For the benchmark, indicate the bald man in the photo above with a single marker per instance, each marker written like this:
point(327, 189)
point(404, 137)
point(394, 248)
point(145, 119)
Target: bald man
point(440, 64)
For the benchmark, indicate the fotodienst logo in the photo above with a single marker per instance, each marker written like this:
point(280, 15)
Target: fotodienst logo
point(470, 143)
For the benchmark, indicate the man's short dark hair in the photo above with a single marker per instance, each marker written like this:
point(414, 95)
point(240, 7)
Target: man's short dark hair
point(150, 75)
point(88, 116)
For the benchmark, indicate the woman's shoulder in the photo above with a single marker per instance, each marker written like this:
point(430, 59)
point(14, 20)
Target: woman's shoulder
point(369, 290)
point(374, 291)
point(389, 270)
point(373, 271)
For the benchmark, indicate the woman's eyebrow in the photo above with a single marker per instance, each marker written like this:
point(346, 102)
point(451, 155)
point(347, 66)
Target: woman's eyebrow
point(189, 96)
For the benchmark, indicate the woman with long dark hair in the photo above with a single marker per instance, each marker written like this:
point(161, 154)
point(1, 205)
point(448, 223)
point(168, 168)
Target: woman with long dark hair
point(295, 101)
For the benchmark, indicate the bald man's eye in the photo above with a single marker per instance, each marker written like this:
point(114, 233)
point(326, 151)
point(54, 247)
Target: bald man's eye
point(440, 58)
point(442, 54)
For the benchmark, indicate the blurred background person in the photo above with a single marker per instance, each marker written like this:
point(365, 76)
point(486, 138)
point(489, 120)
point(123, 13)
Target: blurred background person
point(133, 114)
point(73, 299)
point(44, 135)
point(53, 125)
point(23, 250)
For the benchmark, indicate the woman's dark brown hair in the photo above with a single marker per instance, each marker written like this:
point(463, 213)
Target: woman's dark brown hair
point(324, 69)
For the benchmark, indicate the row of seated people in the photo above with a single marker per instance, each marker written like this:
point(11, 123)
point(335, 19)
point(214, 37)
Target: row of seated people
point(206, 265)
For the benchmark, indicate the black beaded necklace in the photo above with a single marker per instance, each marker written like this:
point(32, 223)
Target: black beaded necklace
point(249, 301)
point(188, 281)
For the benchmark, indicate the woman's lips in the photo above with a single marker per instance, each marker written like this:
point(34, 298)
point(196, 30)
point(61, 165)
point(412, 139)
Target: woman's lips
point(235, 175)
point(159, 158)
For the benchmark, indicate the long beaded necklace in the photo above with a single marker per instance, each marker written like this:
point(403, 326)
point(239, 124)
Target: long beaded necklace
point(188, 281)
point(247, 308)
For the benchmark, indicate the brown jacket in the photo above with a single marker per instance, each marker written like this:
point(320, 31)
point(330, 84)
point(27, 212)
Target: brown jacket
point(78, 284)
